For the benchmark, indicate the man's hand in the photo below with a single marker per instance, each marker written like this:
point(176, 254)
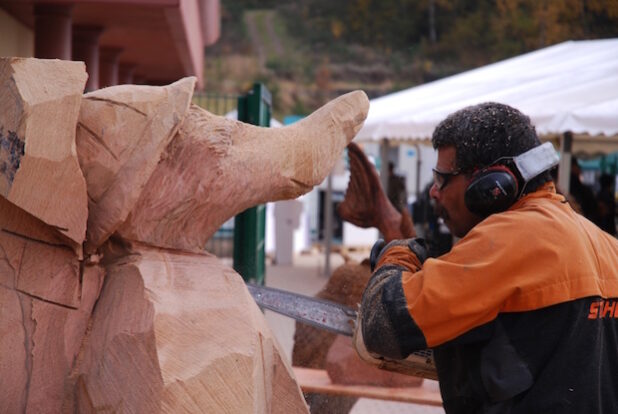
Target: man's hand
point(416, 245)
point(384, 328)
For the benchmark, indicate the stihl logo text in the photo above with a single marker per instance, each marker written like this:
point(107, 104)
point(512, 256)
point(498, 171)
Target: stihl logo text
point(603, 309)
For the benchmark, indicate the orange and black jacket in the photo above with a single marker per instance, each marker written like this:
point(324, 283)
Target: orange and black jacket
point(522, 313)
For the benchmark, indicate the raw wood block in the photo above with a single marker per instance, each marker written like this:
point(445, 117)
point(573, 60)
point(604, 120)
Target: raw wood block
point(217, 167)
point(344, 366)
point(39, 170)
point(311, 345)
point(121, 135)
point(345, 286)
point(40, 339)
point(176, 332)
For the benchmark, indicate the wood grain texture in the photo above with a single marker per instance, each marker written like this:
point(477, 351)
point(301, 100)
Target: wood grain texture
point(217, 167)
point(344, 366)
point(42, 325)
point(317, 380)
point(148, 329)
point(39, 170)
point(121, 135)
point(166, 337)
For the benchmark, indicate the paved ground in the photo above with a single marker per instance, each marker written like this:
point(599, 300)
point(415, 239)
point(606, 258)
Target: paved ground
point(306, 276)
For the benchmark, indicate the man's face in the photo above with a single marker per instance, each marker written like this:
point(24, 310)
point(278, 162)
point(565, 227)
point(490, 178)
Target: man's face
point(448, 193)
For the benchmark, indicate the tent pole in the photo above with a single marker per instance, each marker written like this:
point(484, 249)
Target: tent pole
point(419, 162)
point(384, 164)
point(328, 224)
point(564, 168)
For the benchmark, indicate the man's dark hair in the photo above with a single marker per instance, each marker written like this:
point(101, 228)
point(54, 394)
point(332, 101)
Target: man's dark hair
point(483, 133)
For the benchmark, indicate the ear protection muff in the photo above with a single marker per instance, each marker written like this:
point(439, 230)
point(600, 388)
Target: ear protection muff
point(495, 188)
point(491, 190)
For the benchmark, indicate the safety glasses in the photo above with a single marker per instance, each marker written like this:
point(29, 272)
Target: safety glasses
point(441, 178)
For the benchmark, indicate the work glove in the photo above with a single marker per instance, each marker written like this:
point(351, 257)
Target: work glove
point(416, 245)
point(359, 343)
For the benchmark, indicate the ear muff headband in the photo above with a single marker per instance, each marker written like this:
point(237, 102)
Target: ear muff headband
point(496, 188)
point(491, 190)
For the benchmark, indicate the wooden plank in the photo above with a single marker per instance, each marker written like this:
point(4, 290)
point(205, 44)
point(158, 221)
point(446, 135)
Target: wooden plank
point(317, 380)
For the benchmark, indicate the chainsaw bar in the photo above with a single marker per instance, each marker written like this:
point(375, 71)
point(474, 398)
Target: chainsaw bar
point(339, 319)
point(313, 311)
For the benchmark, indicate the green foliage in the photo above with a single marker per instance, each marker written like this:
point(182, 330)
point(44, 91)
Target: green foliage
point(329, 46)
point(468, 31)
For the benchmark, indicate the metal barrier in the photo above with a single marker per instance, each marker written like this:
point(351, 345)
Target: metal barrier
point(216, 103)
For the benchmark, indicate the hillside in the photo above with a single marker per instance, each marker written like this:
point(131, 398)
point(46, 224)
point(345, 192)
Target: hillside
point(309, 51)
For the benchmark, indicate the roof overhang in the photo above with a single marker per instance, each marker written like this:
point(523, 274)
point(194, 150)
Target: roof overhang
point(163, 40)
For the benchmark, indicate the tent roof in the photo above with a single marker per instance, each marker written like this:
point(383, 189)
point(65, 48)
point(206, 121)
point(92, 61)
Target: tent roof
point(571, 86)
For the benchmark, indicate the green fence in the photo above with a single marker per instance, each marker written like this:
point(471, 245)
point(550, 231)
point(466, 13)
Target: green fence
point(242, 238)
point(250, 225)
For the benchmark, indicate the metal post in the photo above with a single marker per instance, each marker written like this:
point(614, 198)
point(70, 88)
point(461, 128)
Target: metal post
point(384, 164)
point(419, 163)
point(328, 224)
point(250, 225)
point(564, 167)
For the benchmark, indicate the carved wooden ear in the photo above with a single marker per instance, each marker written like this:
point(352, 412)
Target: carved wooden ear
point(121, 134)
point(216, 167)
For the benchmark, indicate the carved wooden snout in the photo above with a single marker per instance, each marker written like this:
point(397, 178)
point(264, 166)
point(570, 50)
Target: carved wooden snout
point(215, 168)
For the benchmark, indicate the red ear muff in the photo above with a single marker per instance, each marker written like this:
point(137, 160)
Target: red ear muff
point(491, 190)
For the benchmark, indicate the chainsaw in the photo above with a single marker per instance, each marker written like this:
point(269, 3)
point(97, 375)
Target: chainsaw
point(339, 319)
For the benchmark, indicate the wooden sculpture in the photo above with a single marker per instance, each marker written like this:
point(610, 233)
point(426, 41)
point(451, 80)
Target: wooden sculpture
point(108, 302)
point(366, 205)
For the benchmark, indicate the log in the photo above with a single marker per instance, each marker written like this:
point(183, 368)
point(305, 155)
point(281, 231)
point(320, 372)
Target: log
point(39, 170)
point(166, 337)
point(121, 135)
point(217, 167)
point(344, 366)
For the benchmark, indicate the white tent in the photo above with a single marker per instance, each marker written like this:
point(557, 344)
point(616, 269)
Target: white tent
point(571, 86)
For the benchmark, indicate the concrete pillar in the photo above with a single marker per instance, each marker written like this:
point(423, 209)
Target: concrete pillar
point(86, 49)
point(108, 66)
point(52, 31)
point(125, 73)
